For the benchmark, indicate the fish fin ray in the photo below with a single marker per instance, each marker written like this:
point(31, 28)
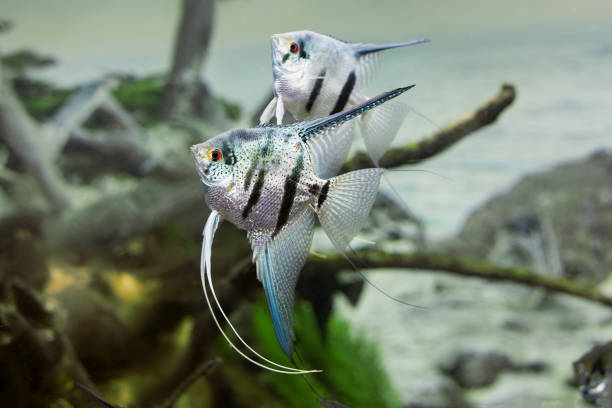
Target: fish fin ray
point(330, 150)
point(379, 127)
point(205, 274)
point(349, 200)
point(362, 49)
point(279, 263)
point(280, 110)
point(366, 67)
point(269, 112)
point(309, 129)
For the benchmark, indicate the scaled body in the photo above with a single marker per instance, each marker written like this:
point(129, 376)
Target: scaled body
point(316, 75)
point(270, 181)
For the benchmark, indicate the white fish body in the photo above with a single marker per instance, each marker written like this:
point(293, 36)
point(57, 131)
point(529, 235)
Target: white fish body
point(268, 181)
point(316, 75)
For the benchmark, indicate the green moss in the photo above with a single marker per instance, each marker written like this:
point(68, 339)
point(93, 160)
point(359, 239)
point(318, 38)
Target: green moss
point(39, 98)
point(232, 110)
point(353, 373)
point(141, 96)
point(23, 59)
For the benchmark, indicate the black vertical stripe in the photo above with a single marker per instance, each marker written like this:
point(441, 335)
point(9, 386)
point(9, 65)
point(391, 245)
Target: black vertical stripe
point(323, 194)
point(289, 191)
point(303, 53)
point(345, 93)
point(316, 89)
point(255, 194)
point(249, 174)
point(255, 163)
point(228, 152)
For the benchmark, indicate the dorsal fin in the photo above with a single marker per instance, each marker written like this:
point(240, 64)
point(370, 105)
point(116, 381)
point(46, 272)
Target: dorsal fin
point(364, 49)
point(311, 128)
point(268, 125)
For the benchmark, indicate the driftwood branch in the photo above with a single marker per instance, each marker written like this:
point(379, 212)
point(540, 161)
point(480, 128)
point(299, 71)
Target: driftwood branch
point(122, 116)
point(438, 142)
point(203, 369)
point(117, 217)
point(184, 89)
point(463, 267)
point(74, 112)
point(122, 153)
point(152, 202)
point(24, 139)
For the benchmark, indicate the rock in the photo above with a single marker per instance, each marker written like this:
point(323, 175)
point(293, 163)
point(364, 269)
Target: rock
point(471, 369)
point(441, 395)
point(593, 374)
point(554, 222)
point(476, 370)
point(393, 220)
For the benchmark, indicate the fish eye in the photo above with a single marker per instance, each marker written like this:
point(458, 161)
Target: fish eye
point(215, 155)
point(294, 47)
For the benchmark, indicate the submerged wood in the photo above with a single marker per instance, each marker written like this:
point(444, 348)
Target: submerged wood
point(413, 153)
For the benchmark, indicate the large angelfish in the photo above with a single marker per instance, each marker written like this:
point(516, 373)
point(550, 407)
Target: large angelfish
point(267, 181)
point(316, 75)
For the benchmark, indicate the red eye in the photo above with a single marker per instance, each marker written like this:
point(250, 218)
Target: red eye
point(294, 47)
point(215, 155)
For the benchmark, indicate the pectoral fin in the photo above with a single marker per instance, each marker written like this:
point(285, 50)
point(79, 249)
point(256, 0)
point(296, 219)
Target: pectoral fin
point(280, 110)
point(268, 113)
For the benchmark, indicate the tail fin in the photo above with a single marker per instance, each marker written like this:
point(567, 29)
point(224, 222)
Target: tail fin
point(364, 49)
point(345, 202)
point(380, 126)
point(307, 130)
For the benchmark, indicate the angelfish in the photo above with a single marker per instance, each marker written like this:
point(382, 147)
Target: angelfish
point(316, 75)
point(272, 182)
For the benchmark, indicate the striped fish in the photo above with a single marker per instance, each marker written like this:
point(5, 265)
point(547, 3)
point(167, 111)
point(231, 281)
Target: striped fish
point(316, 75)
point(267, 180)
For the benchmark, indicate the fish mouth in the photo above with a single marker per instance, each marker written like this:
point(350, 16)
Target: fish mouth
point(276, 46)
point(199, 153)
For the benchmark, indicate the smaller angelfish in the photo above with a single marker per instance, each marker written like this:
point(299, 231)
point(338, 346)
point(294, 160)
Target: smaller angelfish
point(316, 75)
point(268, 181)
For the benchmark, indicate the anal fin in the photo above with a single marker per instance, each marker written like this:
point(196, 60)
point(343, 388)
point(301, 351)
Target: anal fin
point(279, 262)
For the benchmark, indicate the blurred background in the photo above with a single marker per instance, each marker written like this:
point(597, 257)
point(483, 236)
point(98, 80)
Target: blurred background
point(101, 210)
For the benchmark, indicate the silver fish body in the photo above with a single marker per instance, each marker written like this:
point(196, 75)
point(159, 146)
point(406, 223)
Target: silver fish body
point(269, 181)
point(316, 75)
point(309, 83)
point(270, 168)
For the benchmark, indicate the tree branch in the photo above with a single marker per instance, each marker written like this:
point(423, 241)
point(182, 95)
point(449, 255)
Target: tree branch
point(438, 142)
point(74, 112)
point(118, 152)
point(463, 267)
point(24, 139)
point(205, 368)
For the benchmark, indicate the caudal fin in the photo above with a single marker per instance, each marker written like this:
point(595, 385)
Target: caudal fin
point(345, 203)
point(379, 127)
